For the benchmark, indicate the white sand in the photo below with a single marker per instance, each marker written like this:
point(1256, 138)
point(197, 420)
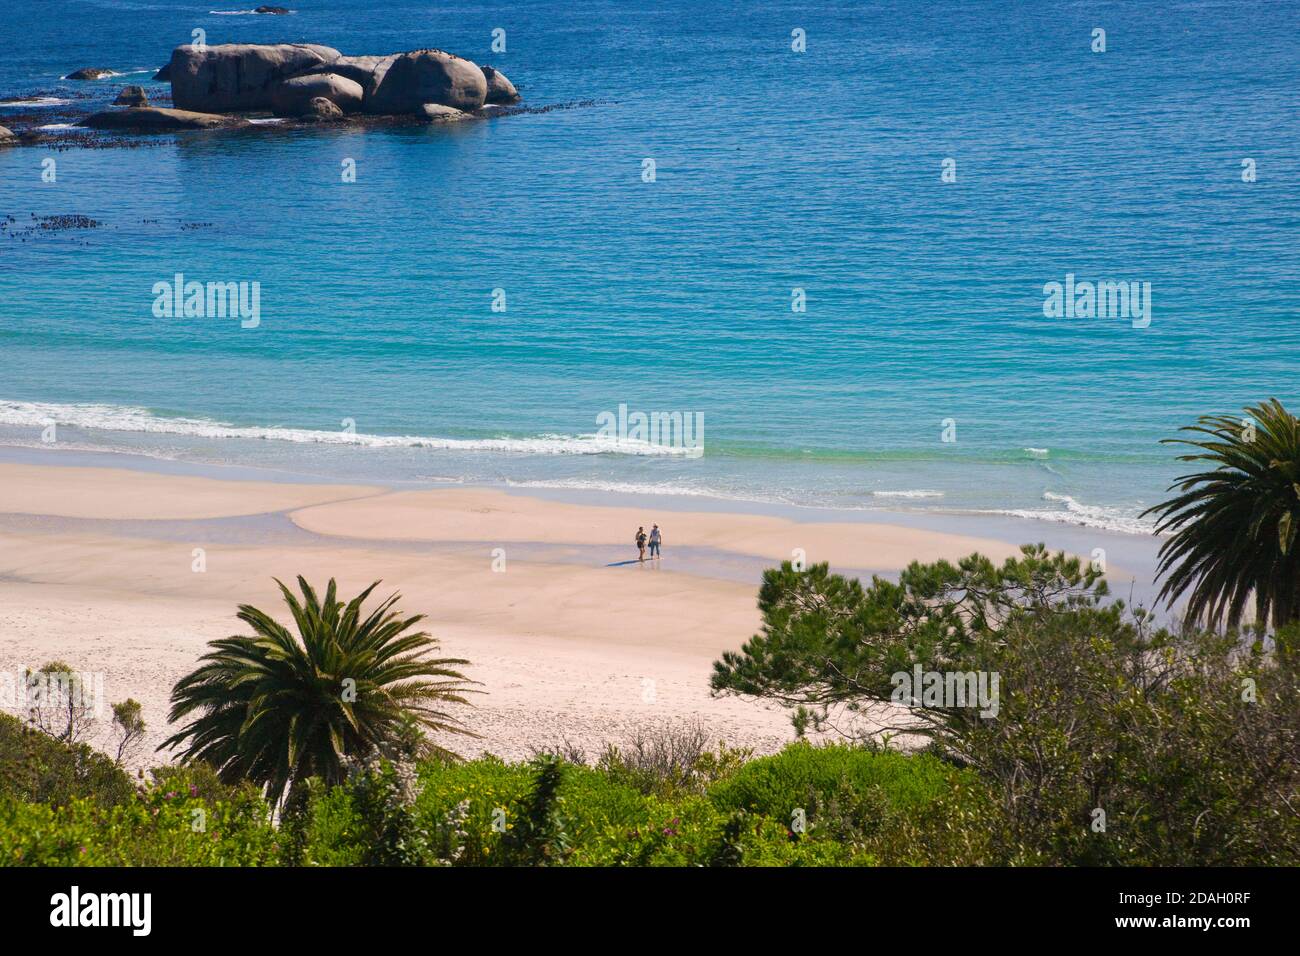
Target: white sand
point(563, 649)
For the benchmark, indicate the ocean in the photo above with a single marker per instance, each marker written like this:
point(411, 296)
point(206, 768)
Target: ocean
point(834, 259)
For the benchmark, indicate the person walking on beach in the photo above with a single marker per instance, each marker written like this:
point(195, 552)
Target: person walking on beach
point(640, 541)
point(656, 537)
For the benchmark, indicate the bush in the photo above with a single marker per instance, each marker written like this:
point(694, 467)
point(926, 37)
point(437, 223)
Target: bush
point(806, 777)
point(201, 780)
point(534, 835)
point(369, 820)
point(550, 812)
point(665, 760)
point(38, 768)
point(1109, 743)
point(1183, 749)
point(475, 805)
point(860, 798)
point(154, 828)
point(489, 813)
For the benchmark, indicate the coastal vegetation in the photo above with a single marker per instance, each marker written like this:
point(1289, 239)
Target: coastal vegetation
point(281, 706)
point(1233, 526)
point(828, 805)
point(1114, 743)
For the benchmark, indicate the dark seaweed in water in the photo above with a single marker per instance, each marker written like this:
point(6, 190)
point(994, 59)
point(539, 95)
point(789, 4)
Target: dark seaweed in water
point(66, 222)
point(63, 140)
point(10, 227)
point(551, 108)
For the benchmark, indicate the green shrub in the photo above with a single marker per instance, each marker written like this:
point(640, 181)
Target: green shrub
point(806, 777)
point(1110, 742)
point(535, 834)
point(848, 805)
point(36, 767)
point(1183, 750)
point(667, 759)
point(326, 830)
point(369, 820)
point(468, 808)
point(604, 822)
point(462, 803)
point(155, 828)
point(200, 780)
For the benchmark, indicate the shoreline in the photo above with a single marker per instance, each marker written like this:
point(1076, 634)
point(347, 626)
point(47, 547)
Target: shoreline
point(571, 639)
point(991, 483)
point(1000, 524)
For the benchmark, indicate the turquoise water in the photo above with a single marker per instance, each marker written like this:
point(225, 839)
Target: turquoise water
point(775, 170)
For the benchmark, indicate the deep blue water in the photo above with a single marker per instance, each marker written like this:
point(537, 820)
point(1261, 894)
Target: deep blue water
point(775, 170)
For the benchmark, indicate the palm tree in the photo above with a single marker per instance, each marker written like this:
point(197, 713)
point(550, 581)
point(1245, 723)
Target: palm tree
point(1234, 526)
point(278, 707)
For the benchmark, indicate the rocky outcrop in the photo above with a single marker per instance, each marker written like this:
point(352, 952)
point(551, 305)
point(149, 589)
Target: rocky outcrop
point(427, 76)
point(6, 136)
point(289, 78)
point(164, 75)
point(273, 11)
point(400, 83)
point(89, 73)
point(239, 76)
point(150, 119)
point(321, 110)
point(499, 89)
point(366, 71)
point(291, 97)
point(437, 113)
point(131, 96)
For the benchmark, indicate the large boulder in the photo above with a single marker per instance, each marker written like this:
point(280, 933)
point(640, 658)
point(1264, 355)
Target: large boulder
point(291, 97)
point(89, 73)
point(364, 70)
point(321, 110)
point(150, 119)
point(131, 96)
point(6, 137)
point(238, 76)
point(427, 76)
point(437, 113)
point(499, 89)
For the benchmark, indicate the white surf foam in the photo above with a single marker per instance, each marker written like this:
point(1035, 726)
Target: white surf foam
point(117, 418)
point(36, 101)
point(1087, 516)
point(918, 493)
point(620, 487)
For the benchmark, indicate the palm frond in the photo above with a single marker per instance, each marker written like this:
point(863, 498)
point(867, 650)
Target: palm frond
point(1232, 527)
point(281, 705)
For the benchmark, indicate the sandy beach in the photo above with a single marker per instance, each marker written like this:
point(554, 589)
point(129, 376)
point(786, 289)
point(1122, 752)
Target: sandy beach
point(570, 637)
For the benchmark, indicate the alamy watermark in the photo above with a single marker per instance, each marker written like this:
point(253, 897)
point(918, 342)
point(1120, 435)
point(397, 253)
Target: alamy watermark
point(52, 691)
point(133, 911)
point(1105, 299)
point(180, 299)
point(947, 689)
point(671, 430)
